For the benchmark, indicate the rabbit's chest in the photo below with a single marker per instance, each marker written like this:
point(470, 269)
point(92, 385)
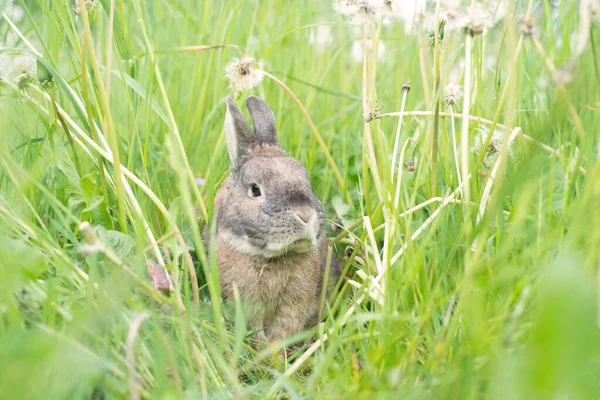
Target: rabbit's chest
point(268, 283)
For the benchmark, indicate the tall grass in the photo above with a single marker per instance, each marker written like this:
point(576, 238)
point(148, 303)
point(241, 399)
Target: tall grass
point(471, 259)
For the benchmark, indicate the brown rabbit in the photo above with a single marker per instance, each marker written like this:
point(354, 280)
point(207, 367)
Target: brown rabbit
point(270, 231)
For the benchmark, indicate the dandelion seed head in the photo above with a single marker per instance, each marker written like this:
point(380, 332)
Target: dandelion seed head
point(527, 26)
point(363, 12)
point(244, 74)
point(482, 16)
point(494, 146)
point(451, 12)
point(19, 70)
point(459, 16)
point(453, 94)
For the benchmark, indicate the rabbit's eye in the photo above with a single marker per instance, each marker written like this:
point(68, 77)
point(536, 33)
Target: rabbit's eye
point(254, 191)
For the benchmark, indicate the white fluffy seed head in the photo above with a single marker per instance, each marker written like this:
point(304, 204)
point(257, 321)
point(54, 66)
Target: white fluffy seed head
point(244, 74)
point(495, 145)
point(18, 69)
point(453, 93)
point(363, 12)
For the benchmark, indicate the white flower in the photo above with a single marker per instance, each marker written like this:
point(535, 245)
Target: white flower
point(244, 74)
point(320, 37)
point(363, 12)
point(459, 16)
point(90, 5)
point(453, 93)
point(358, 52)
point(481, 16)
point(493, 150)
point(450, 11)
point(20, 70)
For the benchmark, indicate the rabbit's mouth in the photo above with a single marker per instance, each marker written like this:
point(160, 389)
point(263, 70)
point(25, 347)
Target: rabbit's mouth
point(301, 246)
point(298, 246)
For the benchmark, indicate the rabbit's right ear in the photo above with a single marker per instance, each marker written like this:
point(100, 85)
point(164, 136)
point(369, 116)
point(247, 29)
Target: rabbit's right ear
point(238, 134)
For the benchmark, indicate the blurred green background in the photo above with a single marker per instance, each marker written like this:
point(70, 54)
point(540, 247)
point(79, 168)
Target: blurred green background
point(502, 307)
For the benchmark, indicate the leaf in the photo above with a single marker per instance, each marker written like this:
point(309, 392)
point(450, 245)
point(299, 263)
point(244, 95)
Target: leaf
point(120, 243)
point(91, 192)
point(28, 142)
point(43, 74)
point(20, 263)
point(342, 210)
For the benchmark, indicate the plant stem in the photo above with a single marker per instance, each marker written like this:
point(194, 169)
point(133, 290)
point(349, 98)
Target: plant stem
point(317, 135)
point(87, 37)
point(436, 97)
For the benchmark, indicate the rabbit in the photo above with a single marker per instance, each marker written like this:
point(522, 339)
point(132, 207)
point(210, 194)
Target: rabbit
point(271, 243)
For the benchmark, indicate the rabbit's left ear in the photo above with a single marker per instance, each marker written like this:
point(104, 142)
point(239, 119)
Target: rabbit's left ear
point(265, 130)
point(238, 133)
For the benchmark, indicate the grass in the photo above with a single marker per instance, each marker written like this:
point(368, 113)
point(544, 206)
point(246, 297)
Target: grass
point(458, 285)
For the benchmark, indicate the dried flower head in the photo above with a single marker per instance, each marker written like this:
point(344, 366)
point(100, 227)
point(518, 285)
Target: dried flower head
point(244, 74)
point(453, 94)
point(411, 164)
point(406, 86)
point(373, 113)
point(494, 146)
point(527, 26)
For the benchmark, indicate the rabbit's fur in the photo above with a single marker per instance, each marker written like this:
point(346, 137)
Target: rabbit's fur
point(271, 247)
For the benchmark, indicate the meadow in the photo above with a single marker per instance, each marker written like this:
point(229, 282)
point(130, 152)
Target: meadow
point(454, 145)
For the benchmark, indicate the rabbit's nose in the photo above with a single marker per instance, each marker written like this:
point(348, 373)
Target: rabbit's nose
point(304, 214)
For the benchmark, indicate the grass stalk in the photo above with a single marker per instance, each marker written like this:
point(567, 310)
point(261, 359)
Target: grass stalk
point(112, 138)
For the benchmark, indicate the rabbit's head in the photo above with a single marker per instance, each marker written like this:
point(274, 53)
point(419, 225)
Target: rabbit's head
point(268, 208)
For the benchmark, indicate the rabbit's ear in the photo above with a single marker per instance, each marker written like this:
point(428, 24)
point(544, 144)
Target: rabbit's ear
point(238, 133)
point(264, 121)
